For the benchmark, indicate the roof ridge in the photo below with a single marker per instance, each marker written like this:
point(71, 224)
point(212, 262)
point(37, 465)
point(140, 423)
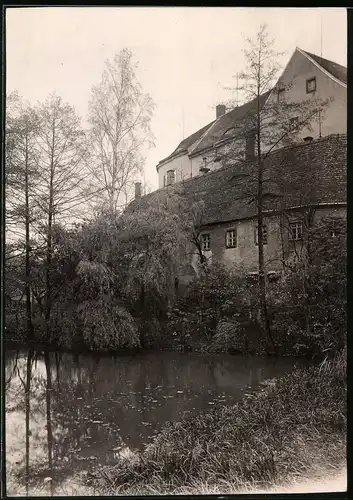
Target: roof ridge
point(321, 57)
point(276, 151)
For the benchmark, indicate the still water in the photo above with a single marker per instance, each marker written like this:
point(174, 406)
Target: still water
point(65, 414)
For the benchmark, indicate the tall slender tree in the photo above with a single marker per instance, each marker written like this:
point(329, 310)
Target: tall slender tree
point(60, 191)
point(21, 178)
point(119, 128)
point(269, 124)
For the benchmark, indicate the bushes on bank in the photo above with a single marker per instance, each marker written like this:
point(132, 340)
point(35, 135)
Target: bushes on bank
point(104, 299)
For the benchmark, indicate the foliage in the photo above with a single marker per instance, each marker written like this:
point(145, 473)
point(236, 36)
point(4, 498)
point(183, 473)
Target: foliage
point(310, 301)
point(219, 295)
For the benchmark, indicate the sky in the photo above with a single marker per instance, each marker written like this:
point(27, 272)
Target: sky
point(186, 55)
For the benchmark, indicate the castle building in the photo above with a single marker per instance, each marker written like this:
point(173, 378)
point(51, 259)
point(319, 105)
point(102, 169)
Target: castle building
point(306, 76)
point(307, 177)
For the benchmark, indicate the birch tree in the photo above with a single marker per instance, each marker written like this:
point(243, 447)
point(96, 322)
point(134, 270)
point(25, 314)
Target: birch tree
point(119, 128)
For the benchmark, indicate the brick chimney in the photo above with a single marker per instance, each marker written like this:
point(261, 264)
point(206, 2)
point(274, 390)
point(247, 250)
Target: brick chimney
point(137, 190)
point(220, 110)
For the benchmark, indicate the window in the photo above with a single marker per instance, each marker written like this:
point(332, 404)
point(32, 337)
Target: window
point(264, 235)
point(294, 122)
point(169, 178)
point(231, 238)
point(281, 93)
point(296, 231)
point(206, 242)
point(311, 85)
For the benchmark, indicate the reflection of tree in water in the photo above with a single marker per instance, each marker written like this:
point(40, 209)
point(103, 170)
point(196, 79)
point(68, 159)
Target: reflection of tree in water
point(79, 410)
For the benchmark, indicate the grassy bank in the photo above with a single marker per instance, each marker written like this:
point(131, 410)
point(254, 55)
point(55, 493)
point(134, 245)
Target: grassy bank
point(294, 428)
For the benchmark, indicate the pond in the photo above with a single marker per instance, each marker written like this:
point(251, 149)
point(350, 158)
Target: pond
point(67, 413)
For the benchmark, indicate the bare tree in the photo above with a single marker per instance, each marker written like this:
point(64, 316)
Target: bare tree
point(60, 191)
point(119, 118)
point(21, 177)
point(268, 124)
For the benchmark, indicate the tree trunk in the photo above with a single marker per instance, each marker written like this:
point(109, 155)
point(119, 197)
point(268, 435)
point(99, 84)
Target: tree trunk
point(260, 225)
point(28, 250)
point(49, 388)
point(142, 315)
point(27, 405)
point(49, 253)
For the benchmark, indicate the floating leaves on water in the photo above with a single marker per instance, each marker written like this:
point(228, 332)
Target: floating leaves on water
point(146, 423)
point(97, 422)
point(154, 401)
point(180, 392)
point(211, 403)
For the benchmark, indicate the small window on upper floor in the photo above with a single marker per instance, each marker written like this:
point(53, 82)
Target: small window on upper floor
point(206, 242)
point(264, 235)
point(231, 238)
point(311, 85)
point(296, 231)
point(169, 178)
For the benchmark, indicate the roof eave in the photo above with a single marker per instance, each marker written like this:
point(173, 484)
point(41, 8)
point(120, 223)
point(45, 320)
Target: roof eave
point(171, 157)
point(327, 73)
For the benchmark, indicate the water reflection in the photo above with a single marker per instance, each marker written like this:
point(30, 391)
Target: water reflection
point(66, 413)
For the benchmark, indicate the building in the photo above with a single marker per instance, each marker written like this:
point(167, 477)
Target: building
point(305, 77)
point(306, 179)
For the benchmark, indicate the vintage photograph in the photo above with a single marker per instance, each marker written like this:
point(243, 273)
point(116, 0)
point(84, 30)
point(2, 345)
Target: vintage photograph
point(175, 251)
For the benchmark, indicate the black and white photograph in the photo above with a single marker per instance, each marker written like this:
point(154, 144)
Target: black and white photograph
point(174, 286)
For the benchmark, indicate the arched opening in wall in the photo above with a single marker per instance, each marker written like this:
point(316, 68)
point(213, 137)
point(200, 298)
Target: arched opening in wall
point(169, 178)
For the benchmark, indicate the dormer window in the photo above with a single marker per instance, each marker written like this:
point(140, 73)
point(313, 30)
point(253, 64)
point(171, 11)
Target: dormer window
point(169, 178)
point(311, 85)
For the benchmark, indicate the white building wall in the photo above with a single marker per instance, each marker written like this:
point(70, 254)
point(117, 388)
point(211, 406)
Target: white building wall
point(182, 166)
point(296, 74)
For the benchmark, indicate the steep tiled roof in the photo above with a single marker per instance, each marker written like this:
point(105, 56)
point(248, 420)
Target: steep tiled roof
point(189, 141)
point(208, 135)
point(313, 172)
point(235, 117)
point(336, 70)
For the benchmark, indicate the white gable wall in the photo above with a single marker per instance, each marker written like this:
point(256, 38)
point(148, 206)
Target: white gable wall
point(182, 166)
point(298, 71)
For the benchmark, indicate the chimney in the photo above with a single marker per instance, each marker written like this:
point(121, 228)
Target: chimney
point(137, 190)
point(220, 110)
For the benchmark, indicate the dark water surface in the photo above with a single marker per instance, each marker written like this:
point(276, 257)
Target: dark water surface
point(66, 413)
